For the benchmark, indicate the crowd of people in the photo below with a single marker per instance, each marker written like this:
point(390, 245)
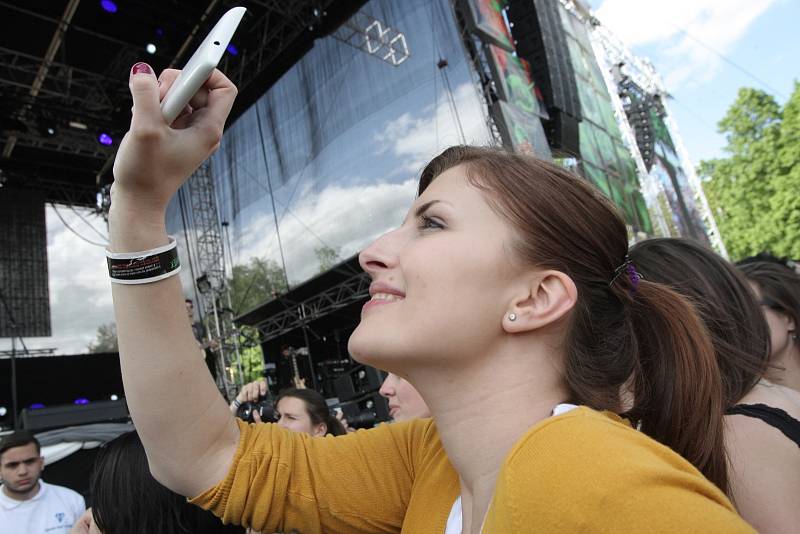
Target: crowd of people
point(562, 380)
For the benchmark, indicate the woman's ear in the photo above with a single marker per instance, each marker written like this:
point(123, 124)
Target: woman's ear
point(320, 430)
point(550, 296)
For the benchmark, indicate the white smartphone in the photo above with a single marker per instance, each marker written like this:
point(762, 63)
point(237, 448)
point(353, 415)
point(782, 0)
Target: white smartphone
point(201, 64)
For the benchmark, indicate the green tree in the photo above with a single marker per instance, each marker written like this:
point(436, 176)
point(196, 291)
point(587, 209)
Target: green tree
point(327, 257)
point(106, 340)
point(251, 285)
point(251, 354)
point(754, 192)
point(254, 283)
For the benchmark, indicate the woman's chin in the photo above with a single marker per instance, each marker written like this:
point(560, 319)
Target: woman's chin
point(365, 348)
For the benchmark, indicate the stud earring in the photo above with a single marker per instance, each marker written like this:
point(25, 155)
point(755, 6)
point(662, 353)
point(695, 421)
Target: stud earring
point(512, 316)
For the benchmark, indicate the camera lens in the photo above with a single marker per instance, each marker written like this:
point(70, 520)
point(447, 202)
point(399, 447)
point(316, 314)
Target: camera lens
point(262, 406)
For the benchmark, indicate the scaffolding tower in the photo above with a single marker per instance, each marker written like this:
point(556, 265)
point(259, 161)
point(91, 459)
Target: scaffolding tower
point(615, 54)
point(215, 298)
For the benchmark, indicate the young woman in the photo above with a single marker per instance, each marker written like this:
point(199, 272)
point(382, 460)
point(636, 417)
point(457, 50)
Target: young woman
point(778, 290)
point(127, 499)
point(304, 410)
point(764, 457)
point(405, 402)
point(297, 409)
point(508, 271)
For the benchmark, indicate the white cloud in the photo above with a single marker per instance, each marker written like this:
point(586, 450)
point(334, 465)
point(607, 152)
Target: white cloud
point(684, 30)
point(345, 218)
point(417, 137)
point(80, 293)
point(350, 218)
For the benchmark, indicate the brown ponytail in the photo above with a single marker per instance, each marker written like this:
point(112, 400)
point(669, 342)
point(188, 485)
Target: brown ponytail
point(678, 392)
point(644, 338)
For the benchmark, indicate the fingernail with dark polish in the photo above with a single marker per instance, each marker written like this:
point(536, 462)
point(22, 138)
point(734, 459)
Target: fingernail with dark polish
point(141, 68)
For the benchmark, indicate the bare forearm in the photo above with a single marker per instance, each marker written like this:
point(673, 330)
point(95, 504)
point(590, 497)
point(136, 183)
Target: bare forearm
point(184, 423)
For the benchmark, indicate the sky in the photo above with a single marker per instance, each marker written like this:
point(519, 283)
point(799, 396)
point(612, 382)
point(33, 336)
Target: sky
point(705, 50)
point(751, 38)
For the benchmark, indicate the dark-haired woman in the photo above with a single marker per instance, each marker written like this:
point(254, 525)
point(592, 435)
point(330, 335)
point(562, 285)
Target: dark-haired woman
point(305, 410)
point(126, 499)
point(507, 271)
point(764, 453)
point(778, 290)
point(297, 409)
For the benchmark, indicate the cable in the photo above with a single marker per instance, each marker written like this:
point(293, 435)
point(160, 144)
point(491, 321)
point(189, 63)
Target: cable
point(699, 118)
point(73, 230)
point(98, 232)
point(435, 49)
point(271, 196)
point(732, 63)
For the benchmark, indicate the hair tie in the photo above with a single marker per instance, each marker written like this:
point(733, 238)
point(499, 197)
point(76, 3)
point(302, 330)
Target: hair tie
point(633, 275)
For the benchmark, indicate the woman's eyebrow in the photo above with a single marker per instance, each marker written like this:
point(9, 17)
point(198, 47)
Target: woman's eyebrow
point(423, 208)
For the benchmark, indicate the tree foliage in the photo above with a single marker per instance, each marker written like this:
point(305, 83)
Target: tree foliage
point(254, 283)
point(106, 340)
point(251, 285)
point(327, 257)
point(754, 192)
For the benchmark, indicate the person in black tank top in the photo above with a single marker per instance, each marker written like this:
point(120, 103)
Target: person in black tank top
point(762, 432)
point(774, 417)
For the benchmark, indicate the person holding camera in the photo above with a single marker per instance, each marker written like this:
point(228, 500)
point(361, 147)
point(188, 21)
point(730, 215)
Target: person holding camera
point(296, 409)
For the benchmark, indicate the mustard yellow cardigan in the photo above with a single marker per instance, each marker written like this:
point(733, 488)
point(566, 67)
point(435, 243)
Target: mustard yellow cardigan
point(582, 471)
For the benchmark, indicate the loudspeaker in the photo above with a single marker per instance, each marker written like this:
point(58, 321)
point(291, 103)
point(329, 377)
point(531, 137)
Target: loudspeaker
point(74, 414)
point(357, 382)
point(541, 40)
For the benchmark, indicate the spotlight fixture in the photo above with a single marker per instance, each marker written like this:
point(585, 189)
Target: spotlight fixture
point(36, 406)
point(78, 125)
point(108, 5)
point(48, 131)
point(203, 284)
point(81, 401)
point(151, 48)
point(114, 397)
point(105, 139)
point(3, 411)
point(232, 50)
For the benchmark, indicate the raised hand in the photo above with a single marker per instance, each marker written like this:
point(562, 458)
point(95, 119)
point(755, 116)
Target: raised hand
point(155, 158)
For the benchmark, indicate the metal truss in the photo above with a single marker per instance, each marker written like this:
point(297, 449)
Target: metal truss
point(66, 94)
point(215, 295)
point(642, 73)
point(298, 315)
point(374, 37)
point(61, 191)
point(30, 353)
point(281, 24)
point(208, 231)
point(76, 88)
point(65, 140)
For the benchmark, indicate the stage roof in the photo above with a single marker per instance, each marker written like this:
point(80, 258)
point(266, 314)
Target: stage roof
point(66, 62)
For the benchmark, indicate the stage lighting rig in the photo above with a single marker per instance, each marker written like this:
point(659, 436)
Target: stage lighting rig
point(108, 6)
point(48, 130)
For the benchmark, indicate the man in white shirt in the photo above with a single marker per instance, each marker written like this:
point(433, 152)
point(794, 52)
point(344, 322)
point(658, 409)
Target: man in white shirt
point(27, 504)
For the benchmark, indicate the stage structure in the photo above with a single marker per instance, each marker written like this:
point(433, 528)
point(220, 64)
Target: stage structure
point(324, 161)
point(644, 99)
point(340, 105)
point(515, 104)
point(580, 122)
